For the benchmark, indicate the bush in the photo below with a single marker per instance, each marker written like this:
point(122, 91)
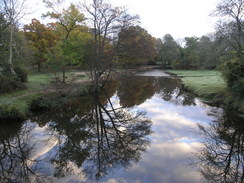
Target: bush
point(39, 104)
point(10, 114)
point(9, 84)
point(238, 87)
point(232, 71)
point(21, 74)
point(47, 102)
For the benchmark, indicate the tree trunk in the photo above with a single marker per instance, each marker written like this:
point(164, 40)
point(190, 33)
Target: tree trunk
point(39, 67)
point(63, 74)
point(95, 80)
point(10, 60)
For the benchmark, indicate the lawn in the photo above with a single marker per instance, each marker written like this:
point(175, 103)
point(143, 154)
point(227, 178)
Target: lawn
point(37, 84)
point(202, 82)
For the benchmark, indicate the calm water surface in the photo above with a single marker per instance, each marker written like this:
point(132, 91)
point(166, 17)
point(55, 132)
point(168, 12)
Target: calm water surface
point(141, 129)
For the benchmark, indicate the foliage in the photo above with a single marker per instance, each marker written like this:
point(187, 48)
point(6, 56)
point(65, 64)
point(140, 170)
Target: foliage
point(10, 114)
point(136, 46)
point(41, 38)
point(9, 84)
point(238, 87)
point(40, 104)
point(75, 47)
point(21, 73)
point(107, 22)
point(232, 71)
point(231, 25)
point(68, 19)
point(48, 102)
point(169, 51)
point(13, 11)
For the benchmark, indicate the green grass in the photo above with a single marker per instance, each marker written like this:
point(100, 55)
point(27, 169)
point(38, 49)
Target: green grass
point(37, 84)
point(202, 82)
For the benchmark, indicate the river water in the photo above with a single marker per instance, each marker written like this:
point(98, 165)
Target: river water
point(141, 129)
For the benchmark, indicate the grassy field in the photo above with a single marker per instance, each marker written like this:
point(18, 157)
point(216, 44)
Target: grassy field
point(37, 84)
point(203, 83)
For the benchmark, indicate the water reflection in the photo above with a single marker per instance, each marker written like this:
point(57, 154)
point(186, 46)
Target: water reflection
point(16, 152)
point(89, 137)
point(221, 158)
point(103, 139)
point(89, 134)
point(135, 90)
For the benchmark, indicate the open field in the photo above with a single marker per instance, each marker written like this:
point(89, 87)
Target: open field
point(202, 82)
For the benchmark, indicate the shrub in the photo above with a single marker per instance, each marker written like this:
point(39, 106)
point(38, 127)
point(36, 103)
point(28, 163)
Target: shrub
point(232, 71)
point(39, 104)
point(47, 102)
point(21, 73)
point(9, 84)
point(238, 87)
point(10, 114)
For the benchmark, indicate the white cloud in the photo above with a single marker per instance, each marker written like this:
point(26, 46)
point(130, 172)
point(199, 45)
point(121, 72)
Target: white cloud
point(178, 18)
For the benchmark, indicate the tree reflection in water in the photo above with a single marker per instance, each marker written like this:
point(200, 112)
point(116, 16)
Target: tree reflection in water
point(102, 139)
point(93, 135)
point(16, 151)
point(221, 158)
point(134, 90)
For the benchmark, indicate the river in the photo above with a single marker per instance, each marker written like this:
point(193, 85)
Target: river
point(141, 128)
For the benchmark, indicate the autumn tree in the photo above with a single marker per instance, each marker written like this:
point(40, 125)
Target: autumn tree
point(106, 23)
point(41, 38)
point(136, 46)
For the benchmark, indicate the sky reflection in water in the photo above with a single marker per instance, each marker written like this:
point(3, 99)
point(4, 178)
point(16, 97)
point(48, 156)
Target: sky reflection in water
point(174, 117)
point(173, 142)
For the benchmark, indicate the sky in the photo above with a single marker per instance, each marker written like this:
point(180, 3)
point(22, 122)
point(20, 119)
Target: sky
point(180, 18)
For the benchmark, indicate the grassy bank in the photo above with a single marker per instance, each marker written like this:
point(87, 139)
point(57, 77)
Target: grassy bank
point(203, 83)
point(210, 87)
point(38, 84)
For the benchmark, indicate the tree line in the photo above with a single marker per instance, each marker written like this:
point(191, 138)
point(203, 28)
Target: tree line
point(98, 36)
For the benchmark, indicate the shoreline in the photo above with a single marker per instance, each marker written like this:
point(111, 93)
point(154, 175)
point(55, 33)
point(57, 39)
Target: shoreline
point(210, 88)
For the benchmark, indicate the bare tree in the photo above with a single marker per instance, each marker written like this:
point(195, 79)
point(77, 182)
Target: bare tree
point(14, 10)
point(106, 21)
point(231, 25)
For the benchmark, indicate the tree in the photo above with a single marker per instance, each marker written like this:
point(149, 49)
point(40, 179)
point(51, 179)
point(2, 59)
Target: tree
point(208, 52)
point(13, 10)
point(68, 19)
point(3, 40)
point(136, 46)
point(191, 58)
point(73, 51)
point(232, 27)
point(169, 51)
point(41, 38)
point(106, 22)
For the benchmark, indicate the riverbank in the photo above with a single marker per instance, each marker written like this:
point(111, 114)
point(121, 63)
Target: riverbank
point(16, 105)
point(210, 87)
